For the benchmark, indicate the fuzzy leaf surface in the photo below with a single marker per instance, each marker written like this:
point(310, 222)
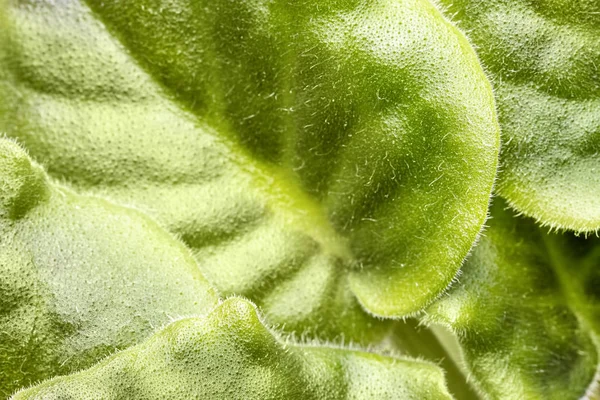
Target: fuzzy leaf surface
point(318, 157)
point(527, 311)
point(80, 277)
point(230, 355)
point(544, 59)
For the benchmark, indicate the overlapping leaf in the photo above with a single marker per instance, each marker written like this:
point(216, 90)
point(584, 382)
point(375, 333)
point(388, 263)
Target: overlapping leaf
point(544, 59)
point(527, 311)
point(80, 277)
point(315, 156)
point(411, 338)
point(231, 355)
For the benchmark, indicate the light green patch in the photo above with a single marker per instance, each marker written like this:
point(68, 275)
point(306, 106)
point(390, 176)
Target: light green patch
point(231, 355)
point(342, 150)
point(543, 57)
point(80, 277)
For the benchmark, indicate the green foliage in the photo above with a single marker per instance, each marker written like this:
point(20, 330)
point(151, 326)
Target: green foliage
point(315, 157)
point(332, 161)
point(527, 311)
point(231, 355)
point(80, 277)
point(543, 57)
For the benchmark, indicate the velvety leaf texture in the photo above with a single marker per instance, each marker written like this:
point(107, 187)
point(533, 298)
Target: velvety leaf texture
point(80, 277)
point(231, 355)
point(544, 58)
point(329, 163)
point(317, 157)
point(527, 311)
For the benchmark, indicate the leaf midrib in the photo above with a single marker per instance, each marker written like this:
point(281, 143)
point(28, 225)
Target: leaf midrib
point(294, 206)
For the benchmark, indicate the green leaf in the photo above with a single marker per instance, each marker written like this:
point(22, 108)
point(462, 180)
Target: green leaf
point(411, 338)
point(543, 57)
point(318, 157)
point(231, 355)
point(527, 311)
point(80, 277)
